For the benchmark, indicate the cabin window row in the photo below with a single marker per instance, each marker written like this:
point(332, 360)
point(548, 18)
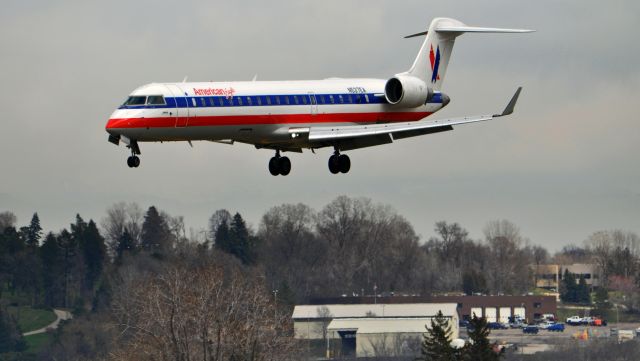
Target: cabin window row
point(267, 100)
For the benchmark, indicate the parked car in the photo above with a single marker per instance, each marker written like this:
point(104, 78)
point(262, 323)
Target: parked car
point(546, 324)
point(517, 324)
point(556, 327)
point(574, 320)
point(530, 329)
point(586, 320)
point(549, 317)
point(613, 332)
point(496, 326)
point(463, 323)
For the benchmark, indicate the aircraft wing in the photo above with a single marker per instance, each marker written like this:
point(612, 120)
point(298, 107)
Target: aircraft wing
point(360, 136)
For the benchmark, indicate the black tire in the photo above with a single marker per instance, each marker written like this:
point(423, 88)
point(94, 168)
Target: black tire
point(334, 164)
point(136, 162)
point(285, 165)
point(274, 168)
point(344, 163)
point(130, 162)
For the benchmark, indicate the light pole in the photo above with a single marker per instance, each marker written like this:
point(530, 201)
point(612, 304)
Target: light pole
point(275, 304)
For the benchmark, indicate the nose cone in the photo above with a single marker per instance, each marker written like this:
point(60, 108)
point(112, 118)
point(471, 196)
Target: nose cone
point(445, 100)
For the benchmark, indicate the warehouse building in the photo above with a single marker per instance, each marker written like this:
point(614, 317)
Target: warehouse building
point(366, 330)
point(493, 308)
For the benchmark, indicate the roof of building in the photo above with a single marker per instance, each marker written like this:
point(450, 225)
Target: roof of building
point(374, 310)
point(380, 325)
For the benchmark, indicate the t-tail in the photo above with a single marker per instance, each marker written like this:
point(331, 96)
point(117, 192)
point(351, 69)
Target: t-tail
point(430, 66)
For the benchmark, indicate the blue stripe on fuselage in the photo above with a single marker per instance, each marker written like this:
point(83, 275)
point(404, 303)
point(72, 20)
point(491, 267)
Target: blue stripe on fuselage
point(270, 100)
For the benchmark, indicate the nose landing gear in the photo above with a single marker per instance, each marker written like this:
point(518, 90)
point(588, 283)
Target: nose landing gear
point(133, 161)
point(279, 165)
point(339, 163)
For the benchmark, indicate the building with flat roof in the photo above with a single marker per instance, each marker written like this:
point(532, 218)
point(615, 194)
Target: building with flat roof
point(548, 276)
point(366, 330)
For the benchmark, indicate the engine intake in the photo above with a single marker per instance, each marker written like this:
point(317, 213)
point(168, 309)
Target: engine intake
point(407, 91)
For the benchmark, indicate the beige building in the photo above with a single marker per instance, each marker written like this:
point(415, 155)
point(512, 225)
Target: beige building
point(549, 276)
point(367, 330)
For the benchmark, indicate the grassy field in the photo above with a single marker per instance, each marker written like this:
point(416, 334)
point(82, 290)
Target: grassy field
point(35, 343)
point(30, 319)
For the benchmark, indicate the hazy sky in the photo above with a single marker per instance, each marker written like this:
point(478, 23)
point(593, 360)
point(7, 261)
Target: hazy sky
point(563, 166)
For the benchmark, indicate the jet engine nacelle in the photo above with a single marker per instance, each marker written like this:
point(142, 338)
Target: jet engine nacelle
point(407, 91)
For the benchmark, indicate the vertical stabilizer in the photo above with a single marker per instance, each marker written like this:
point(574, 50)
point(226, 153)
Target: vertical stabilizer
point(432, 60)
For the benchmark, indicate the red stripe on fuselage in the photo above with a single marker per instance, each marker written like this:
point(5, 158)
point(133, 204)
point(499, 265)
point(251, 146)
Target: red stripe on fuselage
point(202, 121)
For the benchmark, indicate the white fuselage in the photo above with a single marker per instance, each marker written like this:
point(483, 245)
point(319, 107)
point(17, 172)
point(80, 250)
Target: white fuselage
point(260, 113)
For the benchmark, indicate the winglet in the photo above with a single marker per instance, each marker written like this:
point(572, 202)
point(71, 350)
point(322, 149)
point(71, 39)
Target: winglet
point(512, 104)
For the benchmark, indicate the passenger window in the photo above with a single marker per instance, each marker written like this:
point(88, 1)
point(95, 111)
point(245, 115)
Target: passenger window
point(277, 98)
point(349, 99)
point(333, 101)
point(366, 97)
point(304, 100)
point(341, 99)
point(202, 102)
point(259, 99)
point(268, 100)
point(358, 98)
point(239, 101)
point(249, 102)
point(287, 101)
point(296, 100)
point(155, 100)
point(321, 99)
point(193, 101)
point(220, 102)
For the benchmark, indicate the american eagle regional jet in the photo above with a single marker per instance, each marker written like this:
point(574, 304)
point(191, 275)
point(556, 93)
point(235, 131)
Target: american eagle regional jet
point(287, 116)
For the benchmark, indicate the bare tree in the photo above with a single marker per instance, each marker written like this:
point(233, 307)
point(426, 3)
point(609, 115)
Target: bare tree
point(509, 256)
point(7, 219)
point(205, 313)
point(120, 217)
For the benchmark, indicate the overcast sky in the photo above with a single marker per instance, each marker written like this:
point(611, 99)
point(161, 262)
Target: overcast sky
point(564, 165)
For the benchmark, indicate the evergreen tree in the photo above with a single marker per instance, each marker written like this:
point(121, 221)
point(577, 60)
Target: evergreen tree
point(50, 255)
point(11, 339)
point(479, 347)
point(436, 343)
point(125, 244)
point(568, 287)
point(34, 233)
point(242, 243)
point(223, 237)
point(94, 251)
point(582, 292)
point(156, 235)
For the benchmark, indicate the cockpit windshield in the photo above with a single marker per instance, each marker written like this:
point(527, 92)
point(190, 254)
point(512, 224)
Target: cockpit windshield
point(136, 100)
point(155, 100)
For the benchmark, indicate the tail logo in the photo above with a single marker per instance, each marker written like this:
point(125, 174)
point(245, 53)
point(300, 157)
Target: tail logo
point(435, 63)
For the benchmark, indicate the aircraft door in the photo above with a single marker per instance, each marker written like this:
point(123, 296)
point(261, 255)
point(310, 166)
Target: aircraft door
point(314, 103)
point(180, 112)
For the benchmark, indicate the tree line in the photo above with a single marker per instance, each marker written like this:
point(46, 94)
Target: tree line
point(352, 246)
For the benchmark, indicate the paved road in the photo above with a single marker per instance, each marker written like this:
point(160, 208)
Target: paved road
point(62, 315)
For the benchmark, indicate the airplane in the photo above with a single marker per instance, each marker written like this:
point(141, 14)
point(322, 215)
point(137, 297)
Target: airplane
point(289, 116)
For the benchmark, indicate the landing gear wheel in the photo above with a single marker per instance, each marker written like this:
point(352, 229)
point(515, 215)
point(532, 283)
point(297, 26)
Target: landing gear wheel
point(130, 162)
point(284, 164)
point(136, 161)
point(334, 164)
point(344, 163)
point(274, 167)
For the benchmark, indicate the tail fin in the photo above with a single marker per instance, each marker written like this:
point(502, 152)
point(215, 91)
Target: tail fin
point(432, 60)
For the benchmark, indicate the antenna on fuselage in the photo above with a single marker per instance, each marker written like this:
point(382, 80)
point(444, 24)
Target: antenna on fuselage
point(185, 79)
point(255, 77)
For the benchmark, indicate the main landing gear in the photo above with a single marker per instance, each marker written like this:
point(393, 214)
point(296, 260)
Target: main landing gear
point(279, 165)
point(339, 163)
